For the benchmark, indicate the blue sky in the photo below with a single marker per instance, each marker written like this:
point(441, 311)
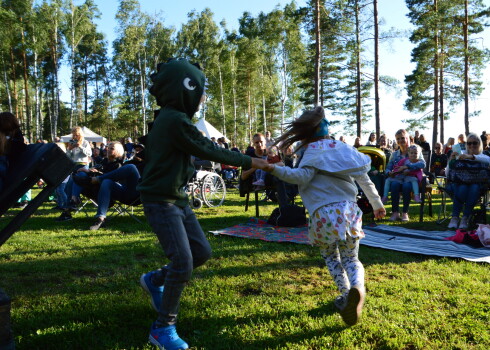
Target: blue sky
point(395, 58)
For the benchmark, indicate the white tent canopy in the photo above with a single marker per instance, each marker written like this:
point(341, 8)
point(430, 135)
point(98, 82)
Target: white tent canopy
point(88, 134)
point(208, 129)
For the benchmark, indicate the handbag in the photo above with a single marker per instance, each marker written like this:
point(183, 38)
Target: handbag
point(288, 216)
point(469, 172)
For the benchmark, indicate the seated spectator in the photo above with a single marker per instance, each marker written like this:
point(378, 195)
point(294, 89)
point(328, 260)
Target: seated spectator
point(11, 144)
point(407, 170)
point(423, 143)
point(466, 194)
point(260, 151)
point(416, 138)
point(448, 147)
point(96, 157)
point(402, 139)
point(484, 140)
point(272, 158)
point(357, 142)
point(438, 161)
point(139, 157)
point(119, 184)
point(371, 140)
point(79, 151)
point(460, 147)
point(114, 159)
point(384, 145)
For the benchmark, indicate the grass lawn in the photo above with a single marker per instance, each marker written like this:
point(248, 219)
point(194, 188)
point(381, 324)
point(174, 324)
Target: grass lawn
point(76, 289)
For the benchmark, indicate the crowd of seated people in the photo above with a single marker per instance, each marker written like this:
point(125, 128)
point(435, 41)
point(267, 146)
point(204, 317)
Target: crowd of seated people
point(440, 161)
point(114, 170)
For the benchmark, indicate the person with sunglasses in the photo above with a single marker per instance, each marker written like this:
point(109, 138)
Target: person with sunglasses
point(466, 194)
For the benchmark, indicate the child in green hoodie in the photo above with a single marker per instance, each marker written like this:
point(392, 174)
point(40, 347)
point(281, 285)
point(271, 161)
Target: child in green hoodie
point(178, 87)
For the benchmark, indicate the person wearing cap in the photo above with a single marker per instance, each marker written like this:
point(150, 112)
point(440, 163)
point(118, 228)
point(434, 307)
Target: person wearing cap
point(326, 179)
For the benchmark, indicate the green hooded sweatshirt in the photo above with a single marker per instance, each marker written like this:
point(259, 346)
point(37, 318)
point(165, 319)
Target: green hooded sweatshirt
point(178, 87)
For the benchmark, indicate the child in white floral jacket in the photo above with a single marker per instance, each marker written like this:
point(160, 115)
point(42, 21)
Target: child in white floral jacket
point(325, 179)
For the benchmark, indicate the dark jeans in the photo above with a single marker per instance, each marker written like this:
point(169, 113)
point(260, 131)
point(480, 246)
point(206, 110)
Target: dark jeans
point(280, 187)
point(120, 185)
point(397, 187)
point(184, 244)
point(466, 195)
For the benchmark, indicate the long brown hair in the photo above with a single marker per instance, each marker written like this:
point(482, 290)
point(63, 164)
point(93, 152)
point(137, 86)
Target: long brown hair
point(302, 129)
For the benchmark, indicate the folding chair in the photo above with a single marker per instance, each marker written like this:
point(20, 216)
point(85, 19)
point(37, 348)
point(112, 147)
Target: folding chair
point(126, 208)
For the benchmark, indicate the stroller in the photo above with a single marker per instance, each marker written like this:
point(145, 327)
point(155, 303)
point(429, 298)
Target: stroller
point(376, 174)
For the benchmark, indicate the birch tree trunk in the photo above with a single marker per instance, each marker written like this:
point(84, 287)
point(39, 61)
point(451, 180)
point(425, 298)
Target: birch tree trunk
point(358, 72)
point(7, 85)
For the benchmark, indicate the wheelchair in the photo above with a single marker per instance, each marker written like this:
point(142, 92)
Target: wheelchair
point(206, 187)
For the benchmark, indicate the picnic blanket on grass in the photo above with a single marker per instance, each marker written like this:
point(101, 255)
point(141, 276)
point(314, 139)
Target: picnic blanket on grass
point(380, 236)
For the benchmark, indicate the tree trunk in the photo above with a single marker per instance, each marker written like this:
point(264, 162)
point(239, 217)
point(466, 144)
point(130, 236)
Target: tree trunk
point(284, 94)
point(358, 73)
point(317, 53)
point(436, 82)
point(376, 70)
point(26, 88)
point(222, 98)
point(7, 85)
point(441, 98)
point(85, 91)
point(37, 97)
point(14, 82)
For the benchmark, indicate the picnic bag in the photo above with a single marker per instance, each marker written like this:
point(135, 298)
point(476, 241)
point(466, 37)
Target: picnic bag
point(469, 172)
point(290, 215)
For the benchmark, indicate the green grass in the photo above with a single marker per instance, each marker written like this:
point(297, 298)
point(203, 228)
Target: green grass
point(76, 289)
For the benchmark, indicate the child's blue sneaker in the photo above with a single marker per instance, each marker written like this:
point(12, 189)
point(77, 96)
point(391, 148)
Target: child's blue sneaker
point(166, 338)
point(155, 292)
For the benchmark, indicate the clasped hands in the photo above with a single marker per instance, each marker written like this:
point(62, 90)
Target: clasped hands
point(259, 163)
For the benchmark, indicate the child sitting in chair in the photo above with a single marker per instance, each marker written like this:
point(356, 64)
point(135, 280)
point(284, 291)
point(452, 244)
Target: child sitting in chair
point(407, 170)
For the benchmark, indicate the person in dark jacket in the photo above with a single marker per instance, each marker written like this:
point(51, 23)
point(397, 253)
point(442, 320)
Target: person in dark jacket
point(178, 87)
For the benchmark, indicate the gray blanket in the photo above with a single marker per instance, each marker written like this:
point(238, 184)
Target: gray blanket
point(422, 242)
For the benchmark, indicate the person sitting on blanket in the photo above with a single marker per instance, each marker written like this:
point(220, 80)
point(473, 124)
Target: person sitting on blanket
point(466, 195)
point(326, 178)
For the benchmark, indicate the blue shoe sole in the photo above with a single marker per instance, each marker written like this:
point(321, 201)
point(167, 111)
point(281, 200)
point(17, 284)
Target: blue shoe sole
point(161, 347)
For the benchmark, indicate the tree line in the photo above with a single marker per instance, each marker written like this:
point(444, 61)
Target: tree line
point(259, 75)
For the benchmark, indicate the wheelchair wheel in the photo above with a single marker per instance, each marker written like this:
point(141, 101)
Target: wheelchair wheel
point(213, 190)
point(196, 203)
